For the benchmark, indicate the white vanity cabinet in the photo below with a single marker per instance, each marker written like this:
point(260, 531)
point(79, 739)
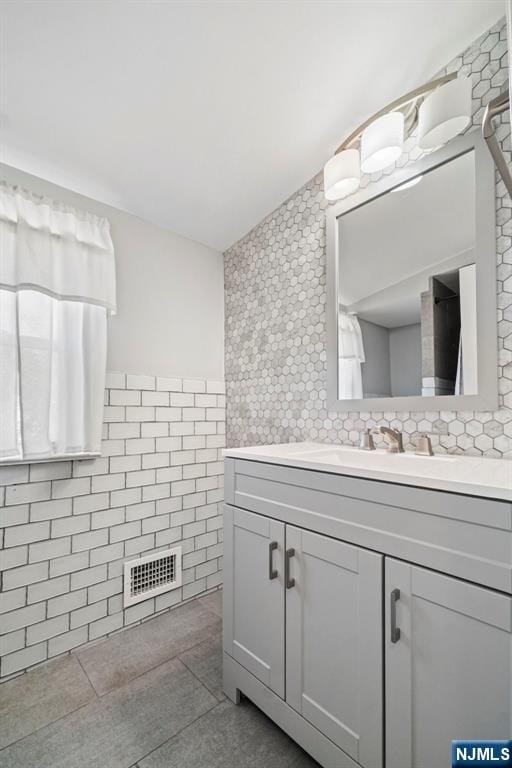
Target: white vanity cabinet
point(329, 595)
point(449, 672)
point(341, 627)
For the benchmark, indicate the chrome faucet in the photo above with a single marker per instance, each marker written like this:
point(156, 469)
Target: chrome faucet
point(393, 439)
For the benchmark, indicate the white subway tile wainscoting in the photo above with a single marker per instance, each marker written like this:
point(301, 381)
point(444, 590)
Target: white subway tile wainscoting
point(67, 527)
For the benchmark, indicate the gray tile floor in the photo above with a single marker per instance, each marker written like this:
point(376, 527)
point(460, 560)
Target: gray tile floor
point(150, 697)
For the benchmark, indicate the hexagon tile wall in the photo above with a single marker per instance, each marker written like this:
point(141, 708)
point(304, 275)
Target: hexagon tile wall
point(275, 291)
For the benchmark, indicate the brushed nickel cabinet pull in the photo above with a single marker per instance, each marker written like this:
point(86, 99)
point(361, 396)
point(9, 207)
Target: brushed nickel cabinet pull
point(289, 582)
point(272, 574)
point(395, 631)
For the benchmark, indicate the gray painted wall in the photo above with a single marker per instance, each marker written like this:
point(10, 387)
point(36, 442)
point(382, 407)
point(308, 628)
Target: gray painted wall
point(170, 304)
point(376, 369)
point(393, 360)
point(405, 360)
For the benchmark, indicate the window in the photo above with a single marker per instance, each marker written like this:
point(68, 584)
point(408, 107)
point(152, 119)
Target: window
point(57, 287)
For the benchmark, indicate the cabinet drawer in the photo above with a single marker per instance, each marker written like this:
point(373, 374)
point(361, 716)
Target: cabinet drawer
point(460, 535)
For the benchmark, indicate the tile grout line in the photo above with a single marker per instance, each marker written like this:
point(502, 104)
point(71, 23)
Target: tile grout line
point(207, 712)
point(184, 728)
point(180, 731)
point(152, 669)
point(86, 675)
point(117, 688)
point(170, 658)
point(46, 725)
point(199, 679)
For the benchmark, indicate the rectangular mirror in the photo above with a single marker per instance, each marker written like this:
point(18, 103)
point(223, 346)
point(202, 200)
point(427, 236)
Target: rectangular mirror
point(412, 287)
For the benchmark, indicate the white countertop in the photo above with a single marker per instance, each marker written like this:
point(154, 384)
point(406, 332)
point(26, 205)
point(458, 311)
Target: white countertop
point(490, 478)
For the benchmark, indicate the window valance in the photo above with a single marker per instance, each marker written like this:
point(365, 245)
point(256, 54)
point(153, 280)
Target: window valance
point(55, 249)
point(57, 286)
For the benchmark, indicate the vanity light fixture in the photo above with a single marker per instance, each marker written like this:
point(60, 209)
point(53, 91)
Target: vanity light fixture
point(380, 138)
point(445, 113)
point(382, 142)
point(342, 174)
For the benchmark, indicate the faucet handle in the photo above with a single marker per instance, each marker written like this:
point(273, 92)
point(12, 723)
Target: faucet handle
point(366, 442)
point(424, 446)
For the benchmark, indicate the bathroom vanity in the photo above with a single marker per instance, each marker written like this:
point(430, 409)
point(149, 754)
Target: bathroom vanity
point(368, 599)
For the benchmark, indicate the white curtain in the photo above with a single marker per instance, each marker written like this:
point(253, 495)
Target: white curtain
point(57, 285)
point(351, 355)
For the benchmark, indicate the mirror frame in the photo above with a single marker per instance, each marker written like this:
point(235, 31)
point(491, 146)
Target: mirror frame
point(486, 289)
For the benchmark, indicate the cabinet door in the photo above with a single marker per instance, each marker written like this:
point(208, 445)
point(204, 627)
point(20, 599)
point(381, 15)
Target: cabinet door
point(334, 641)
point(254, 595)
point(448, 665)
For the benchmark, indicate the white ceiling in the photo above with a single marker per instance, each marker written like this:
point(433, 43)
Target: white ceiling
point(204, 116)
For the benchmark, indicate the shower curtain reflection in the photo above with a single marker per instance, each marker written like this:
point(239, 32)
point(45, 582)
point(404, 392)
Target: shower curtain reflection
point(350, 356)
